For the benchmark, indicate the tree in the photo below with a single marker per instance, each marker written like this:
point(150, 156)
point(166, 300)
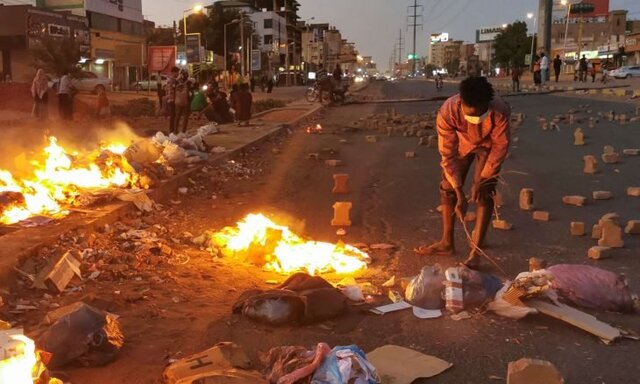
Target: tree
point(211, 26)
point(512, 45)
point(452, 66)
point(56, 55)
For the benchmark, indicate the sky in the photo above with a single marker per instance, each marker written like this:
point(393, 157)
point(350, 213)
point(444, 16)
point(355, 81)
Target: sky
point(375, 25)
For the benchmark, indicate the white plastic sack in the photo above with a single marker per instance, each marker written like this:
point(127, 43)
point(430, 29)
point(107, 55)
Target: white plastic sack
point(143, 152)
point(173, 153)
point(503, 308)
point(208, 129)
point(425, 290)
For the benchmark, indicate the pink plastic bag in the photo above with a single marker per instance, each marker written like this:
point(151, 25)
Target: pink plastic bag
point(592, 287)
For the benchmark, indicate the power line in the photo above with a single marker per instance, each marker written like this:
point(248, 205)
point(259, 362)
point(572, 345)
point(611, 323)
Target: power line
point(414, 24)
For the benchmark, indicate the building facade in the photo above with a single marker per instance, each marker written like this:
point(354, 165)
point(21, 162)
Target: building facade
point(118, 42)
point(21, 29)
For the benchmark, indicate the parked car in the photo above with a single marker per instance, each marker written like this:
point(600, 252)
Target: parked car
point(626, 72)
point(85, 81)
point(151, 83)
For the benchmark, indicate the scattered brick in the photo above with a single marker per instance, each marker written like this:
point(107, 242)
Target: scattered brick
point(577, 228)
point(599, 252)
point(576, 200)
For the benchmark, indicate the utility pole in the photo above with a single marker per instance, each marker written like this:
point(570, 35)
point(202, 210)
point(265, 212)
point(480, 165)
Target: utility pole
point(400, 46)
point(413, 23)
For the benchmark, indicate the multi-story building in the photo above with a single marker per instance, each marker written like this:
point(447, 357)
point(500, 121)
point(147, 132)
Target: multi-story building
point(314, 46)
point(118, 41)
point(597, 34)
point(446, 54)
point(21, 29)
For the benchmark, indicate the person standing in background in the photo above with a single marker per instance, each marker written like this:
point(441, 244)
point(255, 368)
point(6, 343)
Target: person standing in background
point(40, 95)
point(516, 73)
point(544, 68)
point(557, 65)
point(65, 97)
point(170, 98)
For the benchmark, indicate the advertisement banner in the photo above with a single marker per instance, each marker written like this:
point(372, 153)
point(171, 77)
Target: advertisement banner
point(599, 14)
point(161, 58)
point(256, 60)
point(193, 48)
point(488, 33)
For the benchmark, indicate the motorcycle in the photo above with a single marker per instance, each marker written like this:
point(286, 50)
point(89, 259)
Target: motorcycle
point(439, 84)
point(336, 96)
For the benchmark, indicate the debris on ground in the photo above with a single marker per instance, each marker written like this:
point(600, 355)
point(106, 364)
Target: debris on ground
point(291, 364)
point(533, 371)
point(224, 363)
point(83, 334)
point(346, 364)
point(396, 365)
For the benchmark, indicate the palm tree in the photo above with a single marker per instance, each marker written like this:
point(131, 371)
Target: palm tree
point(56, 56)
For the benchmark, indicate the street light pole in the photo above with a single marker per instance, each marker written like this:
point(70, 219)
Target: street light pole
point(533, 35)
point(242, 42)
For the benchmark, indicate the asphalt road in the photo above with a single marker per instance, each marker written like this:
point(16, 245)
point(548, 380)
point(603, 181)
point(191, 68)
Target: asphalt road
point(395, 199)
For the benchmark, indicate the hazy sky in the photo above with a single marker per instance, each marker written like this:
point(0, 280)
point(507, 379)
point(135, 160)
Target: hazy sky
point(374, 25)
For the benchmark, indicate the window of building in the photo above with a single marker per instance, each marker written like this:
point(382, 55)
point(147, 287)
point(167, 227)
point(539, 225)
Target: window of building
point(102, 22)
point(130, 27)
point(268, 39)
point(268, 23)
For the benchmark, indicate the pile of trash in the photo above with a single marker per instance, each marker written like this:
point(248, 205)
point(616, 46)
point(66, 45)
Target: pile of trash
point(228, 362)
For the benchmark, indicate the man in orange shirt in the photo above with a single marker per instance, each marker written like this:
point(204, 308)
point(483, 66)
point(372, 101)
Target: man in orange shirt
point(472, 125)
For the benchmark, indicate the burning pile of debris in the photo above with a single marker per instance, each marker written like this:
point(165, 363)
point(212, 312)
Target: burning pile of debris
point(56, 180)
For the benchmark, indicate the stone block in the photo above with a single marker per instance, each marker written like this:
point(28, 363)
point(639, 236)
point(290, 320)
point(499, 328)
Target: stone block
point(596, 231)
point(372, 139)
point(590, 164)
point(608, 150)
point(578, 137)
point(599, 252)
point(313, 156)
point(341, 183)
point(502, 224)
point(532, 371)
point(611, 234)
point(602, 195)
point(633, 191)
point(409, 155)
point(541, 215)
point(633, 227)
point(341, 212)
point(576, 200)
point(333, 162)
point(631, 152)
point(577, 228)
point(526, 199)
point(432, 141)
point(610, 158)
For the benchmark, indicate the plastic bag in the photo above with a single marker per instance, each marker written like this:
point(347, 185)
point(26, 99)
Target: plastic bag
point(592, 287)
point(173, 153)
point(478, 288)
point(425, 290)
point(345, 365)
point(143, 151)
point(504, 308)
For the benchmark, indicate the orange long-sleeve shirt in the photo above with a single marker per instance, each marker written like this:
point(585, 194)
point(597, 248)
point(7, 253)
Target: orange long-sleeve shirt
point(457, 137)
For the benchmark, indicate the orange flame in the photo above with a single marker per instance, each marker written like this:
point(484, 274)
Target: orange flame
point(57, 181)
point(19, 361)
point(284, 252)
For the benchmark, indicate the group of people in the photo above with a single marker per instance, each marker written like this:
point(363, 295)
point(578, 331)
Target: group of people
point(328, 84)
point(181, 96)
point(586, 68)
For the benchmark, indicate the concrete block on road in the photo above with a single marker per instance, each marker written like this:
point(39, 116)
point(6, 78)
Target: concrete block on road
point(576, 200)
point(333, 162)
point(633, 191)
point(599, 252)
point(631, 152)
point(409, 155)
point(502, 224)
point(602, 195)
point(590, 164)
point(596, 231)
point(372, 139)
point(577, 228)
point(341, 213)
point(341, 185)
point(611, 234)
point(578, 137)
point(526, 199)
point(633, 227)
point(610, 158)
point(541, 215)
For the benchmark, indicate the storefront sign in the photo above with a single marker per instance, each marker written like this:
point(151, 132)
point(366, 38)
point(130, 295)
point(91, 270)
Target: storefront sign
point(488, 33)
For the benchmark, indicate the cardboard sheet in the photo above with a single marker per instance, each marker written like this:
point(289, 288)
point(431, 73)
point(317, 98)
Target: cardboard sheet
point(399, 365)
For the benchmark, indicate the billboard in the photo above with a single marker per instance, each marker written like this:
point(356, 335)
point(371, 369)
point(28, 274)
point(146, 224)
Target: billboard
point(161, 58)
point(193, 48)
point(600, 11)
point(439, 37)
point(487, 33)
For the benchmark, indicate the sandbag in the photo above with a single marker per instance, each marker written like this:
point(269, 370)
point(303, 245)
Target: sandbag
point(592, 287)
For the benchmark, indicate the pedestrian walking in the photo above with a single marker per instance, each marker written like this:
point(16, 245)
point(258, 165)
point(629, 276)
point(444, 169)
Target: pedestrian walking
point(557, 65)
point(605, 72)
point(170, 98)
point(40, 95)
point(544, 68)
point(66, 91)
point(592, 71)
point(182, 101)
point(583, 65)
point(472, 126)
point(516, 73)
point(244, 102)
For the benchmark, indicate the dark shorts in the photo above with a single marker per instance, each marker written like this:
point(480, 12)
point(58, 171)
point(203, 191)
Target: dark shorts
point(488, 188)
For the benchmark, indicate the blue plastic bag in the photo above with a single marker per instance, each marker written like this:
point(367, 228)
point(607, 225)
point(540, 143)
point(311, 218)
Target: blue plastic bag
point(344, 364)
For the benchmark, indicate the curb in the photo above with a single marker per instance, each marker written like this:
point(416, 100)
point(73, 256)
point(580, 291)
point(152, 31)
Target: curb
point(16, 246)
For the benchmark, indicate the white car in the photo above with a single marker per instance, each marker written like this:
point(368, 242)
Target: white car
point(86, 81)
point(151, 83)
point(626, 72)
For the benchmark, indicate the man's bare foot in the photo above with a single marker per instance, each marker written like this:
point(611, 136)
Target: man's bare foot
point(473, 261)
point(437, 249)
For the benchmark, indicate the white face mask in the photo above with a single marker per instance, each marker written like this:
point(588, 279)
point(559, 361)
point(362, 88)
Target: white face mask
point(476, 119)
